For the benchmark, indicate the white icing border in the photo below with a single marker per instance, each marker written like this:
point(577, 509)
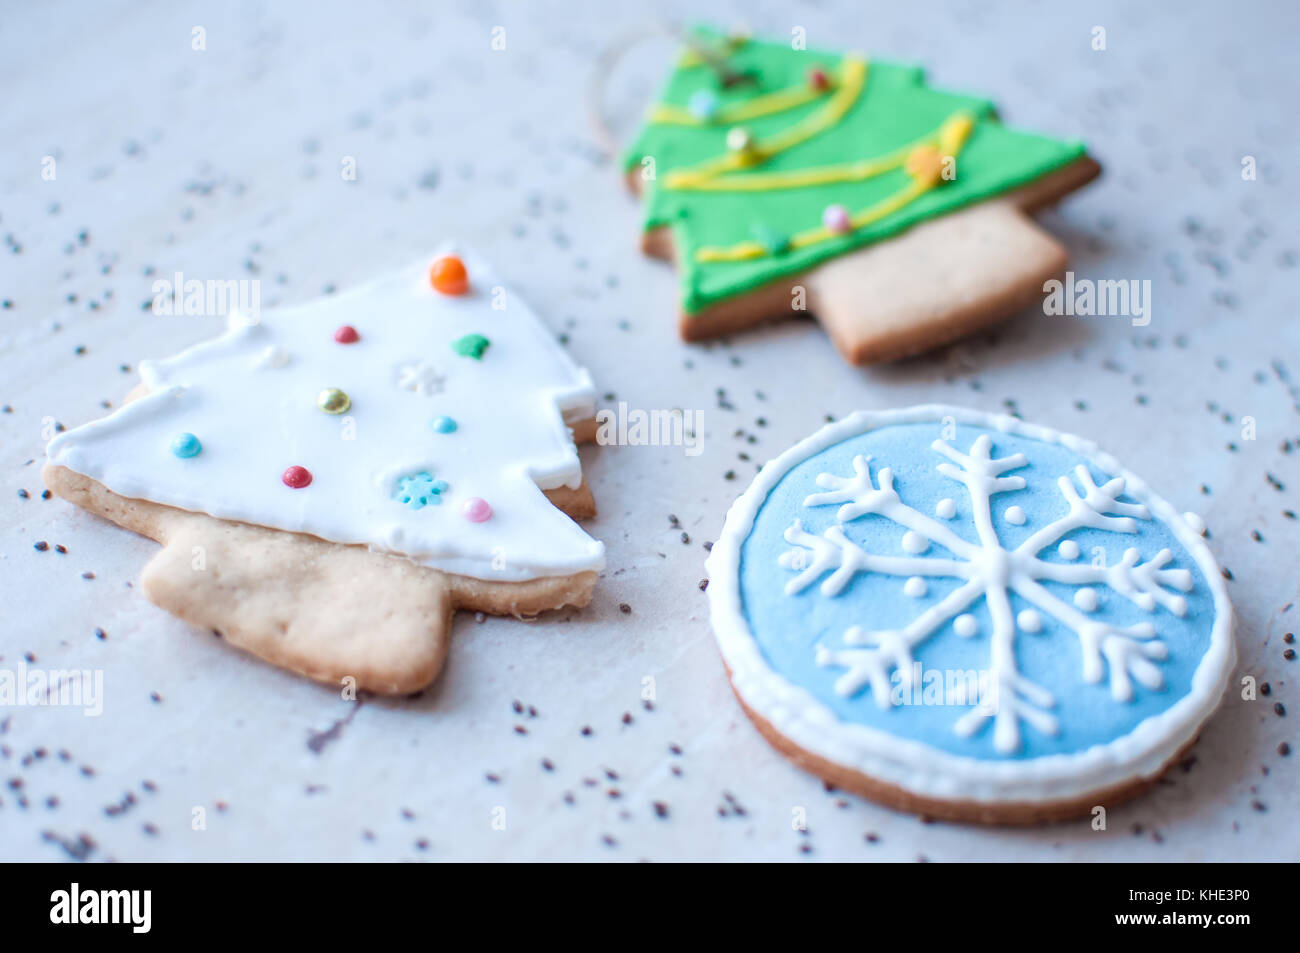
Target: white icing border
point(912, 765)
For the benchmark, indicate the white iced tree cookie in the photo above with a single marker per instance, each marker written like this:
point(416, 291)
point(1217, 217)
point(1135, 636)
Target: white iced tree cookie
point(419, 426)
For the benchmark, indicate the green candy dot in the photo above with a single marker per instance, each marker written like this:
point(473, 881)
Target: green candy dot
point(773, 242)
point(471, 345)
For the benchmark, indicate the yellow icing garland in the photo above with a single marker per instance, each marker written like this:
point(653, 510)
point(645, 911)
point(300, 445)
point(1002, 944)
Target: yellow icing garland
point(852, 78)
point(923, 160)
point(767, 105)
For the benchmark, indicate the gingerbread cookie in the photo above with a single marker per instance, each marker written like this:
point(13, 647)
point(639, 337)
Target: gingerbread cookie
point(783, 180)
point(330, 483)
point(968, 616)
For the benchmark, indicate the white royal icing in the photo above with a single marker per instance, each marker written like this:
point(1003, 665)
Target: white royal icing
point(1128, 654)
point(250, 396)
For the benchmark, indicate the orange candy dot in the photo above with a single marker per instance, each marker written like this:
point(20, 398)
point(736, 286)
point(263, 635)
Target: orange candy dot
point(449, 276)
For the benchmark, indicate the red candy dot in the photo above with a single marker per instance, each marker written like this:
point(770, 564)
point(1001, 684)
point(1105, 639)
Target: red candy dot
point(818, 79)
point(297, 477)
point(347, 334)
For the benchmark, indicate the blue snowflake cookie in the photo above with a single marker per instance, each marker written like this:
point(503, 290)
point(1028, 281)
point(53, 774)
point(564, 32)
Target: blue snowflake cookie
point(966, 614)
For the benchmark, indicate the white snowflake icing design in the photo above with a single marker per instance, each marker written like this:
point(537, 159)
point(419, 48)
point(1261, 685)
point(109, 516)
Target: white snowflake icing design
point(989, 570)
point(420, 378)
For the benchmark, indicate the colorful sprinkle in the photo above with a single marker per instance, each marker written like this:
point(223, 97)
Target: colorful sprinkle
point(186, 445)
point(346, 334)
point(296, 478)
point(836, 218)
point(740, 140)
point(334, 401)
point(477, 510)
point(703, 104)
point(818, 79)
point(448, 276)
point(443, 424)
point(925, 164)
point(420, 490)
point(773, 242)
point(471, 345)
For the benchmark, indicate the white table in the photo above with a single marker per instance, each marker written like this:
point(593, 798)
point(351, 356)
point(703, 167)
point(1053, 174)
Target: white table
point(225, 163)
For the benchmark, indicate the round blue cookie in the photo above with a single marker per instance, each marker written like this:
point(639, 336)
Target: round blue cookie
point(968, 616)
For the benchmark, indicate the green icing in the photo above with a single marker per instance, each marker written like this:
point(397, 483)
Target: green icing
point(471, 345)
point(895, 108)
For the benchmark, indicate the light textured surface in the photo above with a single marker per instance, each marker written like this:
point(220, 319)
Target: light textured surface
point(226, 163)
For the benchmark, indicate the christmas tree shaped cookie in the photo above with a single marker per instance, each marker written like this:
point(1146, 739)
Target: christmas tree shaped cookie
point(783, 180)
point(331, 482)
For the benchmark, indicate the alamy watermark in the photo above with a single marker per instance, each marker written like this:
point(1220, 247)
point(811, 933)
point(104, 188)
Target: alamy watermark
point(178, 296)
point(1109, 297)
point(942, 687)
point(626, 427)
point(53, 688)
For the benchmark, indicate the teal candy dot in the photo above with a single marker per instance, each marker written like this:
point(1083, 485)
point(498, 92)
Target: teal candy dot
point(439, 486)
point(186, 445)
point(703, 104)
point(443, 425)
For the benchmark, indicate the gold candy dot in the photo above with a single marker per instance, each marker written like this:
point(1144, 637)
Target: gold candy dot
point(926, 165)
point(333, 401)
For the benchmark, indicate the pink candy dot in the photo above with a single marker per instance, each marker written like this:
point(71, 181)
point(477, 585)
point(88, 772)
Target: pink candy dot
point(836, 219)
point(296, 477)
point(476, 510)
point(346, 334)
